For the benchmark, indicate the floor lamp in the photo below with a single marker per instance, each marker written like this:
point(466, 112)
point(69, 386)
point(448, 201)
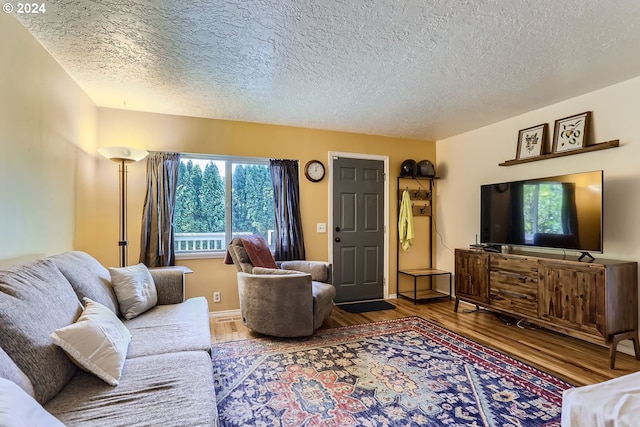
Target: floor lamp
point(123, 156)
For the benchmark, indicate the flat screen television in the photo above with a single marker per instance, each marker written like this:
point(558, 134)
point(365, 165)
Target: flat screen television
point(559, 212)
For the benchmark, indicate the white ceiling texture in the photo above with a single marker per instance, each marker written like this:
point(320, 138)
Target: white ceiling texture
point(419, 69)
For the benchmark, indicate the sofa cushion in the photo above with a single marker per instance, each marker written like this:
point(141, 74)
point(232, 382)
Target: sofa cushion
point(18, 409)
point(10, 371)
point(97, 342)
point(88, 277)
point(173, 389)
point(171, 328)
point(35, 300)
point(135, 289)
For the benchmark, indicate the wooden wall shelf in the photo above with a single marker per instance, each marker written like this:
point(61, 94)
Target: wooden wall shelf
point(595, 147)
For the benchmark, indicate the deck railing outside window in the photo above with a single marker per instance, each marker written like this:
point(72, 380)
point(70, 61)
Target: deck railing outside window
point(207, 242)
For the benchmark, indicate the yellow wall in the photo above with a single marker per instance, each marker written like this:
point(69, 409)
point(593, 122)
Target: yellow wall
point(195, 135)
point(58, 194)
point(48, 132)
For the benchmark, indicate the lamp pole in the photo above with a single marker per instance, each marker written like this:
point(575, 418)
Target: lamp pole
point(123, 156)
point(123, 243)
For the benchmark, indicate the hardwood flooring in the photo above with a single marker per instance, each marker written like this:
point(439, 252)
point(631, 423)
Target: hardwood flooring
point(576, 361)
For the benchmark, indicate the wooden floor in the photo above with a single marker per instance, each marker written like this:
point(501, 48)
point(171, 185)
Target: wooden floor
point(575, 361)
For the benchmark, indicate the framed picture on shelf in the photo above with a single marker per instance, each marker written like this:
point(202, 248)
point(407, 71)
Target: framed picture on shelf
point(571, 132)
point(531, 141)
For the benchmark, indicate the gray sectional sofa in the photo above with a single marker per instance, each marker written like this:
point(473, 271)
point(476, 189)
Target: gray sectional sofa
point(167, 377)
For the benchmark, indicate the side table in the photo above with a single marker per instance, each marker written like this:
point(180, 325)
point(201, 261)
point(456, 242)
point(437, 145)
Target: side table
point(424, 294)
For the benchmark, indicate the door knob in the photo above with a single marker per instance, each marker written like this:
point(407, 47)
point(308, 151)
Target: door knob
point(337, 228)
point(337, 239)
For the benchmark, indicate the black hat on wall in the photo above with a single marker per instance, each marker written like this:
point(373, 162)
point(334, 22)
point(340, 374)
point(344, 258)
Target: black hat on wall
point(409, 168)
point(426, 169)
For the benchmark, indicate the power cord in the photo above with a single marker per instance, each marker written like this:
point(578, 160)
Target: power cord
point(442, 240)
point(478, 309)
point(523, 324)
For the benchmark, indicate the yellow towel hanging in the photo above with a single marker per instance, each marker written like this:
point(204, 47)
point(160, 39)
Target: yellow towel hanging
point(405, 222)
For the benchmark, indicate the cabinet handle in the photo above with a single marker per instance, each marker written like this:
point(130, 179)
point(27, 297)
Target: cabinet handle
point(512, 294)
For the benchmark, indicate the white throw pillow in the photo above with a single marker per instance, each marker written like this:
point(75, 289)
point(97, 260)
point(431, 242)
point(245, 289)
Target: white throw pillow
point(135, 289)
point(97, 342)
point(18, 409)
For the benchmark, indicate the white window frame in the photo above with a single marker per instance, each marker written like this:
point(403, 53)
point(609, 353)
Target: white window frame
point(228, 173)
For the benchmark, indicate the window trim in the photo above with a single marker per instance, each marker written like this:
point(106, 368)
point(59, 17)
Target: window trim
point(228, 173)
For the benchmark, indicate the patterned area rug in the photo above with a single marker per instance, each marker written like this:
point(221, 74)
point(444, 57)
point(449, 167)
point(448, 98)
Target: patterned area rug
point(406, 372)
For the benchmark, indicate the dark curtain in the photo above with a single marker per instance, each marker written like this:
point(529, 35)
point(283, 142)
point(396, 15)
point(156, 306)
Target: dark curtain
point(570, 212)
point(289, 241)
point(516, 213)
point(157, 245)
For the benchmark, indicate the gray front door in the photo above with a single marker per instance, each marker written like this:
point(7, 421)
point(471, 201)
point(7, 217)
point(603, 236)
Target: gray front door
point(358, 229)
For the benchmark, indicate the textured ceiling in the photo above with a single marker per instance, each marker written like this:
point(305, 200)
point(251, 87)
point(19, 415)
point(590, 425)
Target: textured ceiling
point(410, 68)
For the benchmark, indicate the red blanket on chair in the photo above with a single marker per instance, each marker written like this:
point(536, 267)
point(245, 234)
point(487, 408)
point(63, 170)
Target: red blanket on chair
point(257, 250)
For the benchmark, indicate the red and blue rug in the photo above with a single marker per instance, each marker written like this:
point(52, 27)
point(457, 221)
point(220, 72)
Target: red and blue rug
point(406, 372)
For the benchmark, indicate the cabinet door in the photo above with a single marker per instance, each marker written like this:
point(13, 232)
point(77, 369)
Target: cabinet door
point(573, 295)
point(472, 276)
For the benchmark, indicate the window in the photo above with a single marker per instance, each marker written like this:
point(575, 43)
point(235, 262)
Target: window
point(219, 198)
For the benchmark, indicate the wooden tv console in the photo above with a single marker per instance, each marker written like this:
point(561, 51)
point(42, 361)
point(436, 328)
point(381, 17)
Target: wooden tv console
point(595, 301)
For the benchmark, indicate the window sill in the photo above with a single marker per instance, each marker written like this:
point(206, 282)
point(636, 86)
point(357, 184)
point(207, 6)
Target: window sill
point(200, 255)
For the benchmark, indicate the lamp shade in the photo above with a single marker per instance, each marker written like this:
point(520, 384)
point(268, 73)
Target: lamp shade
point(118, 154)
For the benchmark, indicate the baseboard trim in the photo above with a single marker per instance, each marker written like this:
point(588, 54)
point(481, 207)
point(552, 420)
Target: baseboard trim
point(224, 313)
point(229, 313)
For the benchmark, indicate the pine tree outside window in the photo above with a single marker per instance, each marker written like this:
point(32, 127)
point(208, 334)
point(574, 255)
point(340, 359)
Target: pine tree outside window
point(219, 198)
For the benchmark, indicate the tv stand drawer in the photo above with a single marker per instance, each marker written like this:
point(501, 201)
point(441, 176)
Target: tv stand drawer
point(514, 295)
point(515, 266)
point(513, 284)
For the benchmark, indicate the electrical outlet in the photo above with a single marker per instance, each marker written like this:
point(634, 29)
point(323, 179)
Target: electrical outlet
point(321, 227)
point(216, 297)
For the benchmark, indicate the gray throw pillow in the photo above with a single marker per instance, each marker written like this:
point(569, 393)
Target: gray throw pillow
point(135, 289)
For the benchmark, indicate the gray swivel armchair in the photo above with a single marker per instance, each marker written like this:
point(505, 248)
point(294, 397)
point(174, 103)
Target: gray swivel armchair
point(290, 301)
